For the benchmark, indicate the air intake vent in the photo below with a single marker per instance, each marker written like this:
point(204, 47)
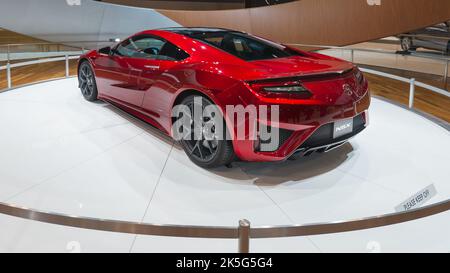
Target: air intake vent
point(284, 135)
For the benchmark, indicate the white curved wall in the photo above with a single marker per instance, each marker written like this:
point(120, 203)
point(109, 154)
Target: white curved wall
point(65, 20)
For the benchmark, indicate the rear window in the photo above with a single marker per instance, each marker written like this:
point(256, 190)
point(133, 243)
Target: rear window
point(244, 46)
point(149, 47)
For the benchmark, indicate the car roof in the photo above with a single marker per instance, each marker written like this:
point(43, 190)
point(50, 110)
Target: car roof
point(196, 30)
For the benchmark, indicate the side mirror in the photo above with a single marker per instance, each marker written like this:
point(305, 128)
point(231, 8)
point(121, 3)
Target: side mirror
point(105, 50)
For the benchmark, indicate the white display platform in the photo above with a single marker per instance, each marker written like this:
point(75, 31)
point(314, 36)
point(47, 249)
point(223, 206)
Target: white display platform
point(62, 154)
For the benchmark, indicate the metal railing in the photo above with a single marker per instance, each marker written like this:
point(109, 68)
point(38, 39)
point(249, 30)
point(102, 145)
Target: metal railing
point(65, 51)
point(10, 66)
point(413, 83)
point(424, 36)
point(74, 55)
point(46, 46)
point(352, 50)
point(243, 233)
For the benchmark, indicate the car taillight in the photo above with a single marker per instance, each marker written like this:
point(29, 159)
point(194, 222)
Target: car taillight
point(289, 89)
point(283, 89)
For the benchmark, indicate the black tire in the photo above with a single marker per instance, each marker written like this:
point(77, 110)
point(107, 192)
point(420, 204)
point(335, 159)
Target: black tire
point(204, 153)
point(86, 82)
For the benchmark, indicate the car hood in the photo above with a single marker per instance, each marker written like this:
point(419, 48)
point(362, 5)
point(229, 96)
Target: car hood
point(297, 66)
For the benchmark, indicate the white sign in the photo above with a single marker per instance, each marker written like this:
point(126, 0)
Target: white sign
point(374, 2)
point(418, 199)
point(73, 2)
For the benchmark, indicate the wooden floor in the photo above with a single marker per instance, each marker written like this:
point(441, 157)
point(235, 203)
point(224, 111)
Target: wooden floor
point(34, 73)
point(431, 79)
point(426, 101)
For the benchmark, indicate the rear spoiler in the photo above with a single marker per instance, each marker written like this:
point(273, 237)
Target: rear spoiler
point(311, 76)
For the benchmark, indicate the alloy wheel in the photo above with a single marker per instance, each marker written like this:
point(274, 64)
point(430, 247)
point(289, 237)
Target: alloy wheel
point(86, 81)
point(203, 142)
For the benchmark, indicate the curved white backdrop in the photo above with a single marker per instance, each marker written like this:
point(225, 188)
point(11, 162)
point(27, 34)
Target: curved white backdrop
point(77, 20)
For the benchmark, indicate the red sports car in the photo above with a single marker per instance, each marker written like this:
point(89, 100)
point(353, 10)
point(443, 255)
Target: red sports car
point(310, 102)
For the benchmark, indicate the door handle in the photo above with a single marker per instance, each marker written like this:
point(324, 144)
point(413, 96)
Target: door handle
point(154, 67)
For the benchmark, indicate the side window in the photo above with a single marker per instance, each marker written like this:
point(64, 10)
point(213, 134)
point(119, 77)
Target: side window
point(144, 47)
point(245, 46)
point(172, 53)
point(124, 49)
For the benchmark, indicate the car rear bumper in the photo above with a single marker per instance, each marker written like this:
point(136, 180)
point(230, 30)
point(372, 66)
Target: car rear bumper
point(304, 129)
